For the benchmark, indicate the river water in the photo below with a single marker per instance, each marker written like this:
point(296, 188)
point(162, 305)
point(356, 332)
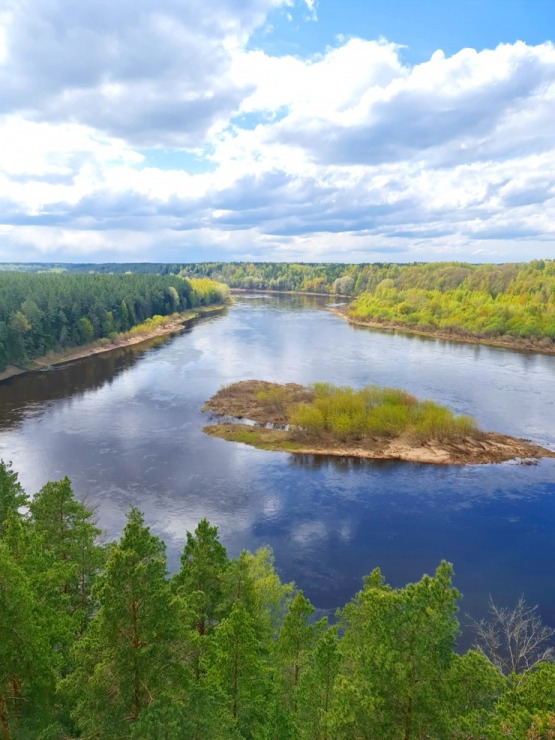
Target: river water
point(126, 427)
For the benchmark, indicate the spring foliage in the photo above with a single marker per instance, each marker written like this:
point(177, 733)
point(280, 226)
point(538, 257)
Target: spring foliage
point(510, 301)
point(348, 414)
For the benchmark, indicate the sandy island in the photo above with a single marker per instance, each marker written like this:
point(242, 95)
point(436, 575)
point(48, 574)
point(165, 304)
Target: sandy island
point(173, 323)
point(239, 402)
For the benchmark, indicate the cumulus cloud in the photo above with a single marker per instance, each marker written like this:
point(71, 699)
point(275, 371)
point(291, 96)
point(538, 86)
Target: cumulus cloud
point(153, 73)
point(350, 154)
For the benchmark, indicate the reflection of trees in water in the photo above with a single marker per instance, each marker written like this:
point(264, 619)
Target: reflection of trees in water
point(341, 464)
point(23, 392)
point(285, 301)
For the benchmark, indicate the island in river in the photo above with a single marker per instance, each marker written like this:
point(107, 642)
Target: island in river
point(372, 423)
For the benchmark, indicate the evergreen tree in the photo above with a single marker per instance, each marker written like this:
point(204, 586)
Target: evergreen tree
point(238, 668)
point(26, 678)
point(397, 650)
point(126, 659)
point(316, 687)
point(201, 578)
point(296, 638)
point(527, 707)
point(69, 533)
point(474, 687)
point(12, 495)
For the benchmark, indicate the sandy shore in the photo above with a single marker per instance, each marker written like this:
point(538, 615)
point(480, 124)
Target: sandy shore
point(174, 323)
point(517, 345)
point(486, 449)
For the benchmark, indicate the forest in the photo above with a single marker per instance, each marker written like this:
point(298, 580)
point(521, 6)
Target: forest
point(100, 641)
point(43, 312)
point(511, 302)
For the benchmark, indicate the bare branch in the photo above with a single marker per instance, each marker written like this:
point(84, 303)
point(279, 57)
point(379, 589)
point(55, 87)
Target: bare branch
point(514, 640)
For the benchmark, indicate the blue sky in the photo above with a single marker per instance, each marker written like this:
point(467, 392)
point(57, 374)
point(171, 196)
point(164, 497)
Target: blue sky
point(277, 130)
point(422, 26)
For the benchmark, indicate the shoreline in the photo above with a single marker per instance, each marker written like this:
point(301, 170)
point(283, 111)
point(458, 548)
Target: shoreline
point(517, 345)
point(256, 413)
point(523, 345)
point(287, 292)
point(488, 449)
point(173, 324)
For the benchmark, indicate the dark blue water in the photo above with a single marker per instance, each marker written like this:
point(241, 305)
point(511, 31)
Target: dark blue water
point(127, 428)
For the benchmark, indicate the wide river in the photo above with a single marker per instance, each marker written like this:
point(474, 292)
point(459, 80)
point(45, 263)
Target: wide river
point(126, 427)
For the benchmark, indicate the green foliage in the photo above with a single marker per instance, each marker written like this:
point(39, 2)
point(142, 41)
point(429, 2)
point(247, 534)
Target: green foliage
point(475, 685)
point(396, 652)
point(69, 534)
point(238, 668)
point(271, 596)
point(125, 659)
point(12, 495)
point(316, 687)
point(348, 414)
point(485, 302)
point(26, 680)
point(224, 650)
point(506, 301)
point(296, 640)
point(202, 576)
point(511, 301)
point(43, 312)
point(527, 708)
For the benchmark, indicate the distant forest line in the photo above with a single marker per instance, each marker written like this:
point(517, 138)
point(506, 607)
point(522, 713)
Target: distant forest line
point(511, 302)
point(98, 641)
point(47, 311)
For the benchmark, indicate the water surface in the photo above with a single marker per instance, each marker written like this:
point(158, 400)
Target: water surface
point(126, 427)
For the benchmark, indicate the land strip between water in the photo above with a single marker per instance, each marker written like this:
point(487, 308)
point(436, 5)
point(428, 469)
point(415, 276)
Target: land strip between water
point(267, 409)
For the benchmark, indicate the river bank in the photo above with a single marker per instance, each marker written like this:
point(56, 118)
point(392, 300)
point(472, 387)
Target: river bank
point(173, 323)
point(266, 408)
point(517, 345)
point(287, 292)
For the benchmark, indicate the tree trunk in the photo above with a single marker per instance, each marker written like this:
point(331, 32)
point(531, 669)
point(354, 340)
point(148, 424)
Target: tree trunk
point(4, 719)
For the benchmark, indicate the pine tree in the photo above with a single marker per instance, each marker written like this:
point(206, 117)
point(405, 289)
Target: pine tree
point(26, 677)
point(126, 658)
point(239, 669)
point(12, 495)
point(296, 639)
point(316, 687)
point(397, 650)
point(201, 578)
point(69, 533)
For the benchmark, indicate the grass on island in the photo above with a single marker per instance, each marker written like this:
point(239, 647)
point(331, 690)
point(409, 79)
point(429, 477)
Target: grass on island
point(259, 437)
point(325, 415)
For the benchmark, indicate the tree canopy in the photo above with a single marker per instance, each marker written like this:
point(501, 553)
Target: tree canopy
point(100, 642)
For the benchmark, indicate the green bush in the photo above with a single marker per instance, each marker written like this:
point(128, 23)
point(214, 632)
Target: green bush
point(348, 414)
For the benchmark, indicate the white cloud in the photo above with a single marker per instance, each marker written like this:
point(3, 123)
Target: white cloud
point(346, 155)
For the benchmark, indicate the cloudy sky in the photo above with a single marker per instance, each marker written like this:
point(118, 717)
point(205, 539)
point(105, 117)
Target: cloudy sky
point(314, 130)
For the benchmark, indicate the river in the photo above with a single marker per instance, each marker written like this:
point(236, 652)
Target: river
point(126, 427)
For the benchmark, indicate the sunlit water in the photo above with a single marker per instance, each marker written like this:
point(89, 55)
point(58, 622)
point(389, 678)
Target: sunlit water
point(126, 427)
